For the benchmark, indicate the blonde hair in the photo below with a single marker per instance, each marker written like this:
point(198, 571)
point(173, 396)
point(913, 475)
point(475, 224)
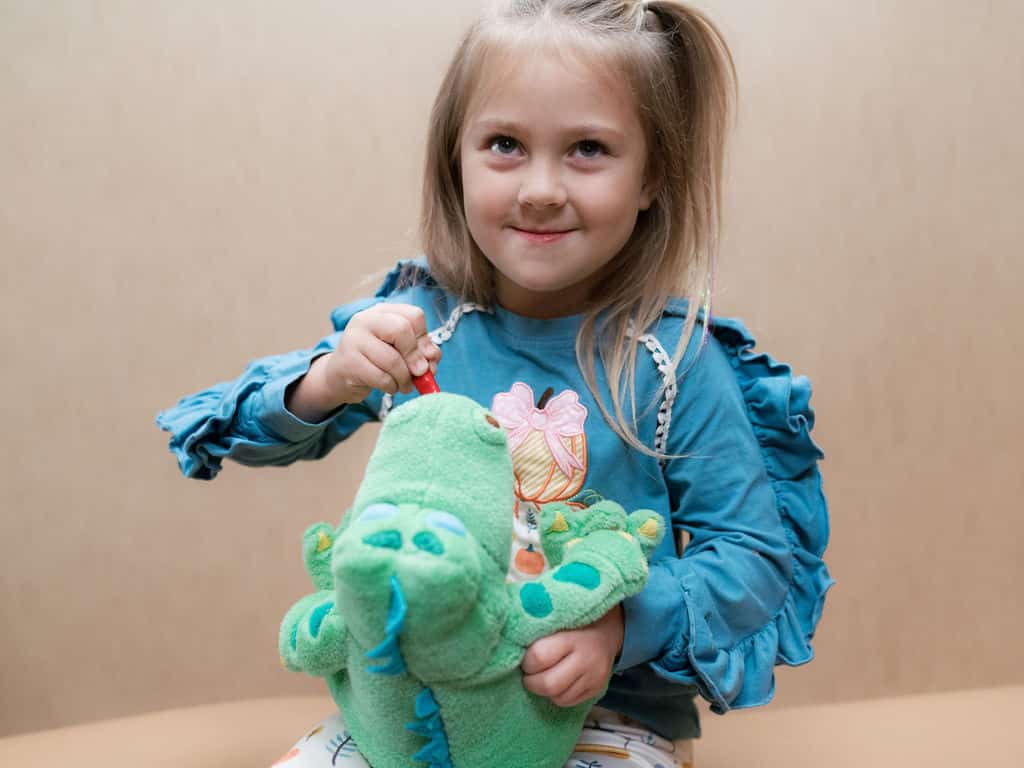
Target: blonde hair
point(683, 78)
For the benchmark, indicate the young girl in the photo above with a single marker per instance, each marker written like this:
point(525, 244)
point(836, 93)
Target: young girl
point(570, 222)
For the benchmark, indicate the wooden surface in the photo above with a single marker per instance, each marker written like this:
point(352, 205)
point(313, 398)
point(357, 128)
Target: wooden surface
point(934, 731)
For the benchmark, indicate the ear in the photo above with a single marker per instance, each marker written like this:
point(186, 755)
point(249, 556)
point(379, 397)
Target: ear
point(651, 187)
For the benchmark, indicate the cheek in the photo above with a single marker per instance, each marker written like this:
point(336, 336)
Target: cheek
point(485, 192)
point(611, 203)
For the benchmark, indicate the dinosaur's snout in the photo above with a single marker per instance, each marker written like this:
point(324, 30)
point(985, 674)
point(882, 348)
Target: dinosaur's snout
point(434, 558)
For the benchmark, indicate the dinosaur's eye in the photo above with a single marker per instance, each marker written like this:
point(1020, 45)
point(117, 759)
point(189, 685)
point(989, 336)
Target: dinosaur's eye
point(447, 521)
point(378, 512)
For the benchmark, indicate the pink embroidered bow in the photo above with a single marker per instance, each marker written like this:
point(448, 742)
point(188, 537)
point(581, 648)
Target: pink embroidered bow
point(562, 416)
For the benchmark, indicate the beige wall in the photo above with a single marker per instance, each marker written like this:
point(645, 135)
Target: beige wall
point(186, 185)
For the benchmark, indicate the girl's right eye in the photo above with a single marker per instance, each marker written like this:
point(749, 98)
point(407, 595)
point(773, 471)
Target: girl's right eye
point(503, 145)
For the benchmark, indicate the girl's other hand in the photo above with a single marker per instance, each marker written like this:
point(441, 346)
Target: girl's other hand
point(573, 666)
point(382, 347)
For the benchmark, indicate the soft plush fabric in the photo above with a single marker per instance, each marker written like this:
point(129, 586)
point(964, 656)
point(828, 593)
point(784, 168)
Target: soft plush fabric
point(414, 625)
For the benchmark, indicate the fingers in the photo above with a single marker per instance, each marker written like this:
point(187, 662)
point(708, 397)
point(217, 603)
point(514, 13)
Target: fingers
point(566, 684)
point(393, 340)
point(545, 653)
point(577, 693)
point(417, 319)
point(552, 670)
point(569, 667)
point(553, 683)
point(379, 365)
point(400, 331)
point(430, 351)
point(404, 327)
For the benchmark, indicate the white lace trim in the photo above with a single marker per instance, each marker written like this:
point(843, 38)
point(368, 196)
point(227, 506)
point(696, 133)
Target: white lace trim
point(660, 357)
point(668, 377)
point(439, 336)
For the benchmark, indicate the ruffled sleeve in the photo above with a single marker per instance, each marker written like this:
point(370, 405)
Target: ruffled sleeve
point(245, 419)
point(779, 407)
point(751, 583)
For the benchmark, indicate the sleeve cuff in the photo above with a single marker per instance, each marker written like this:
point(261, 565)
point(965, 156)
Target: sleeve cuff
point(654, 619)
point(278, 420)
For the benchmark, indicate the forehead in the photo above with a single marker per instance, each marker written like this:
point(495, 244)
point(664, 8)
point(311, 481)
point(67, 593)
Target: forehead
point(547, 87)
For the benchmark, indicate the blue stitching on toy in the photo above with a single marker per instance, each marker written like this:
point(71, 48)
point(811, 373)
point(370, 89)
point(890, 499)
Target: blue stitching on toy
point(295, 635)
point(584, 575)
point(447, 521)
point(318, 618)
point(379, 512)
point(535, 600)
point(393, 628)
point(428, 542)
point(436, 752)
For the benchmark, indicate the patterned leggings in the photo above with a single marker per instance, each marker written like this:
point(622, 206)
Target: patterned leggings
point(608, 740)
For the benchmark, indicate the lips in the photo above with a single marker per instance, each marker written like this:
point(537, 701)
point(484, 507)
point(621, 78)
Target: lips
point(542, 236)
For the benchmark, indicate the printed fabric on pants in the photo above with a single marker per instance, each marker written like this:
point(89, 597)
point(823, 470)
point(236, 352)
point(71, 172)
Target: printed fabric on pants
point(608, 740)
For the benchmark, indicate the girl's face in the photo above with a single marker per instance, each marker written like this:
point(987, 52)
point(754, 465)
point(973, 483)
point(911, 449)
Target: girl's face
point(553, 160)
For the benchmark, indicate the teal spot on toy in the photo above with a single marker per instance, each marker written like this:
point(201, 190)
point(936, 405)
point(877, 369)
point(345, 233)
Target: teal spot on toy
point(318, 618)
point(535, 600)
point(388, 539)
point(428, 542)
point(587, 576)
point(295, 635)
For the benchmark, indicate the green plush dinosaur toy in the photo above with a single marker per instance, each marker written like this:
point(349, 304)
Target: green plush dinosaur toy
point(414, 626)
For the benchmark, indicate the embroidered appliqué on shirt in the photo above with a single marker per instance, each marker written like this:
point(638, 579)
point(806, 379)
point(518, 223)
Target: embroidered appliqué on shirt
point(548, 443)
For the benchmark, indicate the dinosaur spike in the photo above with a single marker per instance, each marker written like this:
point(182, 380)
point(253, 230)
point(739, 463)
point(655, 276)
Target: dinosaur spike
point(426, 705)
point(436, 752)
point(389, 648)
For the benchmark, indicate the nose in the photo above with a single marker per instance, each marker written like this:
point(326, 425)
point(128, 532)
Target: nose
point(424, 541)
point(542, 186)
point(428, 542)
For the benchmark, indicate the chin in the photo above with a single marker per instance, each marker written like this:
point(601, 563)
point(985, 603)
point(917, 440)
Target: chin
point(542, 284)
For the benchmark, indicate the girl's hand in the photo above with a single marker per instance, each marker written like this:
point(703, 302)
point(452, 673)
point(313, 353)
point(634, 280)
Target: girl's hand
point(382, 347)
point(573, 666)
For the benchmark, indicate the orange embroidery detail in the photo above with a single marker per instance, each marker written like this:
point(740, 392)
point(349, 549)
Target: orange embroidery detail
point(530, 561)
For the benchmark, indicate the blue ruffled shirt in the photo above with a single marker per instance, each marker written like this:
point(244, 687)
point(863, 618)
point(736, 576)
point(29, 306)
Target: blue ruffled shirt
point(749, 587)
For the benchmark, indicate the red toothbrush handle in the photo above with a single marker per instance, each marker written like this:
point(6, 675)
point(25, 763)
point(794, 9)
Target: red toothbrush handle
point(426, 384)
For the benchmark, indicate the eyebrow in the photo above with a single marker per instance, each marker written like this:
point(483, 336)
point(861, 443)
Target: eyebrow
point(510, 126)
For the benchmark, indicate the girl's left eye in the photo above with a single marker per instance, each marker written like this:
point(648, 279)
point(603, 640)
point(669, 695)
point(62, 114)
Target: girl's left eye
point(590, 149)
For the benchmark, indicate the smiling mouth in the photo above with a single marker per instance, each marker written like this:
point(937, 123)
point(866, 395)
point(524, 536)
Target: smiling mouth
point(549, 236)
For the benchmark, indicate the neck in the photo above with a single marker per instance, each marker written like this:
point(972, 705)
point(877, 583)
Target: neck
point(544, 305)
